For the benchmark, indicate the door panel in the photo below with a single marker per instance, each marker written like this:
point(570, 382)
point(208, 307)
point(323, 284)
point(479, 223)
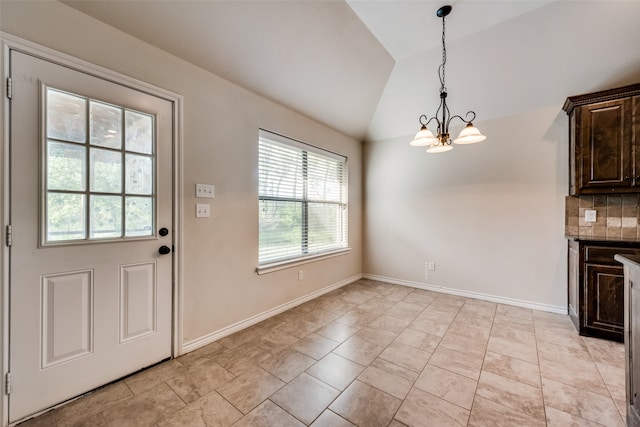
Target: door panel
point(138, 300)
point(85, 311)
point(67, 313)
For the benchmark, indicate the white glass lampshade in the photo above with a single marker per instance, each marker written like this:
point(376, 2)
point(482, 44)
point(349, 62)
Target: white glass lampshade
point(439, 147)
point(423, 137)
point(469, 135)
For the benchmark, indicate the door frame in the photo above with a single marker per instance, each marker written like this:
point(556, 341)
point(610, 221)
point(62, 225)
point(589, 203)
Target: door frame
point(10, 42)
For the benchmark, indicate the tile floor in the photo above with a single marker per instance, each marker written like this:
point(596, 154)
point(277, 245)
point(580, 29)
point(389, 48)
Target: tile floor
point(374, 354)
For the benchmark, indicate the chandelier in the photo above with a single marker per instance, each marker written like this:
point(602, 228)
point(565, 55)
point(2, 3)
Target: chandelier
point(441, 143)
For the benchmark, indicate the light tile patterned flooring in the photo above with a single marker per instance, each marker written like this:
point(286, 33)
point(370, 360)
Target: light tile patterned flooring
point(374, 354)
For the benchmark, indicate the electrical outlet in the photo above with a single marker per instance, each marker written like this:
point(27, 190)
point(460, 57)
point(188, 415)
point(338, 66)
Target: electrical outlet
point(426, 270)
point(206, 191)
point(203, 210)
point(431, 266)
point(590, 216)
point(300, 274)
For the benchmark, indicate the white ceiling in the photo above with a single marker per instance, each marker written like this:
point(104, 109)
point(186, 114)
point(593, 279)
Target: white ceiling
point(315, 57)
point(410, 27)
point(369, 67)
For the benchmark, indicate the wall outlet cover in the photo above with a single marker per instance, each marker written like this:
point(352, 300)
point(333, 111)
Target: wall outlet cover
point(203, 210)
point(590, 216)
point(205, 191)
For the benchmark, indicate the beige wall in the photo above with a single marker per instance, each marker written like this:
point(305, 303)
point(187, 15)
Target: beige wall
point(490, 215)
point(221, 122)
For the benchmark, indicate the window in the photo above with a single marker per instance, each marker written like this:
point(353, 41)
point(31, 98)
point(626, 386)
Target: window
point(302, 200)
point(98, 173)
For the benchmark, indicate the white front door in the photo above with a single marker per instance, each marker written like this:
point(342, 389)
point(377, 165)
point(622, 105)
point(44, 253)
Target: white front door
point(91, 216)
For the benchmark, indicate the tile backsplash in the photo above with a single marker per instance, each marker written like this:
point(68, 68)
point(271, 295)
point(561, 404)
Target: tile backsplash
point(616, 216)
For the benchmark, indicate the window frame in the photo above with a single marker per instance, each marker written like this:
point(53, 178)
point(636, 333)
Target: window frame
point(267, 265)
point(44, 191)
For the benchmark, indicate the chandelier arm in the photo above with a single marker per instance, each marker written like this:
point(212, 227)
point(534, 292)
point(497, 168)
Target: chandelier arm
point(473, 116)
point(469, 113)
point(428, 120)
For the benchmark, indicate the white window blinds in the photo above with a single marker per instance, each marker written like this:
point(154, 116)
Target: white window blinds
point(302, 199)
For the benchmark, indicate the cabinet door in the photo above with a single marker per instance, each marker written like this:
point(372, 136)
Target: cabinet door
point(604, 300)
point(604, 148)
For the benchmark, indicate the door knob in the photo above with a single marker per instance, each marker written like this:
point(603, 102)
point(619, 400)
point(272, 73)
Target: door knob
point(163, 231)
point(164, 250)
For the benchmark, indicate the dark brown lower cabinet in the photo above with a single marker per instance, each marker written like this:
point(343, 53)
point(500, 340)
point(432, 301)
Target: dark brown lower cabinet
point(596, 287)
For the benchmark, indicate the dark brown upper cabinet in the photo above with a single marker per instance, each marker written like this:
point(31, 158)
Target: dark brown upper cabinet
point(604, 141)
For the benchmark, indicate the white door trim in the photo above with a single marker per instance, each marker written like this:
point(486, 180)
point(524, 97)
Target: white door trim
point(9, 42)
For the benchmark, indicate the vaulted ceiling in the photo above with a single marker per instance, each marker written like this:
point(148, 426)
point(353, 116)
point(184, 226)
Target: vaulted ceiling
point(368, 68)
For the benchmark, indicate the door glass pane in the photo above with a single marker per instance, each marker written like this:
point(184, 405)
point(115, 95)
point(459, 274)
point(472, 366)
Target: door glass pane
point(106, 171)
point(139, 132)
point(106, 217)
point(66, 166)
point(65, 217)
point(139, 214)
point(106, 125)
point(139, 174)
point(66, 116)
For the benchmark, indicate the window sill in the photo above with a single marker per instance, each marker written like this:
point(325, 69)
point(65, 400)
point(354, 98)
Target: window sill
point(276, 266)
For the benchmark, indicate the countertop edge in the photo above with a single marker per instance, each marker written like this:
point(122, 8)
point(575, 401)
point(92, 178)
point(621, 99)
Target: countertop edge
point(575, 238)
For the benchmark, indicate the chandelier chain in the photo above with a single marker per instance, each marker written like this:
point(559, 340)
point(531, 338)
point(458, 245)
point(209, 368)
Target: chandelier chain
point(444, 60)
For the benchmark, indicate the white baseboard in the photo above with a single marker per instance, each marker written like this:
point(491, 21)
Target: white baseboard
point(469, 294)
point(243, 324)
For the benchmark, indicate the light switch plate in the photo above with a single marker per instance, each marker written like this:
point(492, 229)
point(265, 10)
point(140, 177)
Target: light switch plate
point(205, 191)
point(590, 216)
point(203, 210)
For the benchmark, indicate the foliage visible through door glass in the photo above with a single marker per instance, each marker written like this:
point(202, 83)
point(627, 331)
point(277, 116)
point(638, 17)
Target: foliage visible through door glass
point(139, 216)
point(106, 171)
point(106, 217)
point(66, 166)
point(66, 216)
